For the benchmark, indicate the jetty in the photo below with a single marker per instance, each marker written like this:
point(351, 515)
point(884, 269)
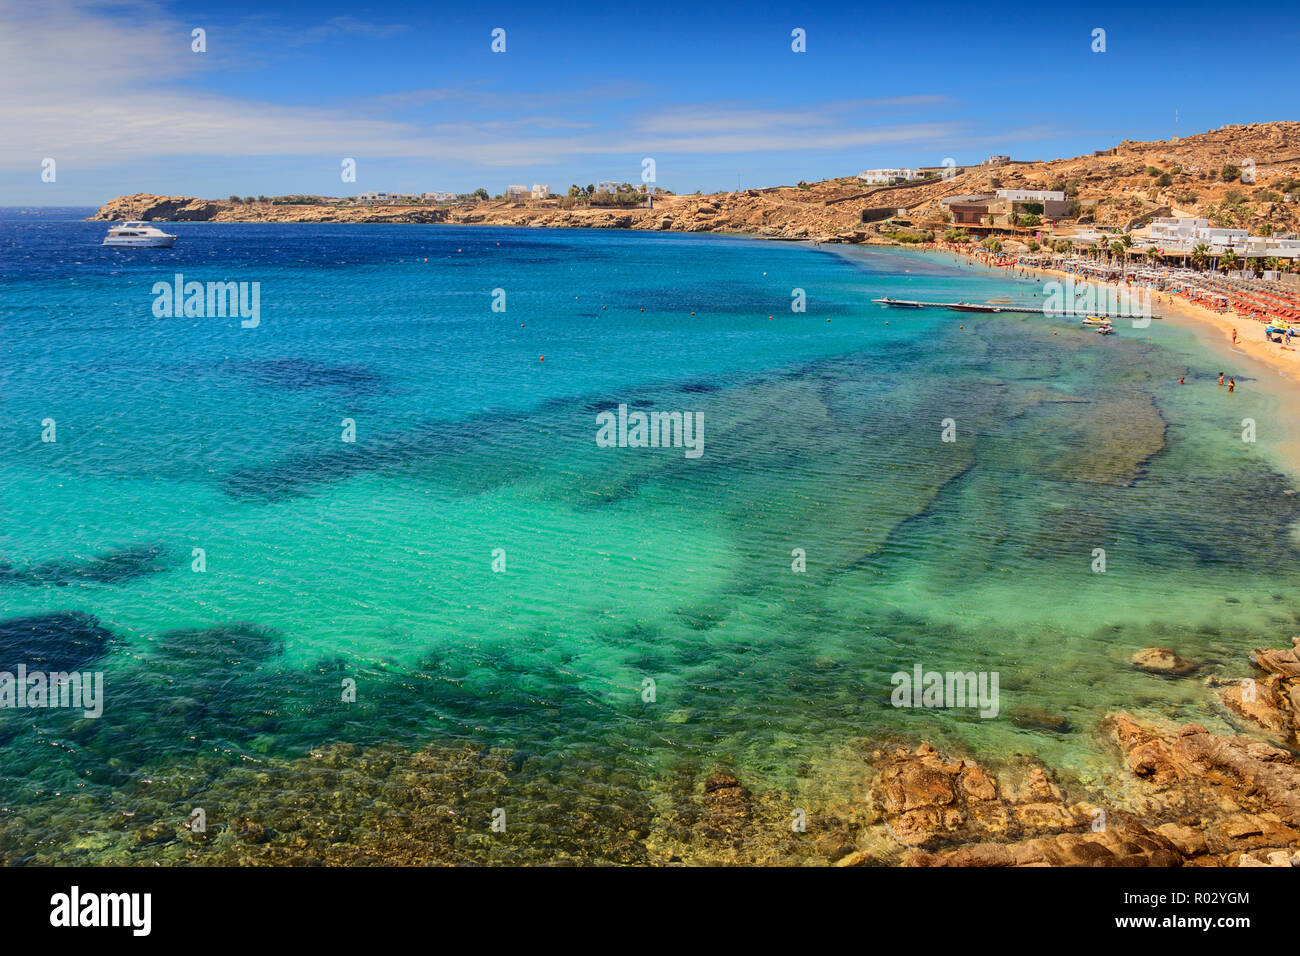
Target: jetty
point(990, 307)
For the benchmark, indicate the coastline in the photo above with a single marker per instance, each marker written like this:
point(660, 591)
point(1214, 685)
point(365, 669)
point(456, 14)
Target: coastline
point(891, 802)
point(1271, 368)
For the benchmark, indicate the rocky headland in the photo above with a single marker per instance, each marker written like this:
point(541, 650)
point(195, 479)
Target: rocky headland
point(1122, 186)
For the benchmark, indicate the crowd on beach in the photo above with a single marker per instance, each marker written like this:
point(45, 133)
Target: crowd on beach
point(1169, 284)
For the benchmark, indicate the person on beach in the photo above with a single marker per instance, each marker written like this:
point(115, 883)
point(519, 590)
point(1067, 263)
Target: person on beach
point(1234, 336)
point(1220, 378)
point(1232, 383)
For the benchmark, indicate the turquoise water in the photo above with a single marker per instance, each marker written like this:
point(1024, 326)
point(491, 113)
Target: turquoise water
point(372, 560)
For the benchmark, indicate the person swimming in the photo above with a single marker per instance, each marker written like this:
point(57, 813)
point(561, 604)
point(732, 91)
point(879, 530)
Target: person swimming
point(1220, 378)
point(1232, 383)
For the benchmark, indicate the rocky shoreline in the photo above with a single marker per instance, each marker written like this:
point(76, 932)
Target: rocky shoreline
point(781, 213)
point(1178, 796)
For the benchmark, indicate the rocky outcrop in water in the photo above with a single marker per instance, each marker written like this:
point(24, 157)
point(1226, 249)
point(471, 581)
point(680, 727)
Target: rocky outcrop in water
point(1270, 700)
point(1176, 796)
point(1161, 660)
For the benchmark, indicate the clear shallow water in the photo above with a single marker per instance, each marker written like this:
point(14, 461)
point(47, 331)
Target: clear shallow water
point(373, 560)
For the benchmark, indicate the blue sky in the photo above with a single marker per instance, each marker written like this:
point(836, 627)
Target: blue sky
point(713, 93)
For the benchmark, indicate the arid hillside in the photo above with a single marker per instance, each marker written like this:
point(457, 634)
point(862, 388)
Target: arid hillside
point(1121, 186)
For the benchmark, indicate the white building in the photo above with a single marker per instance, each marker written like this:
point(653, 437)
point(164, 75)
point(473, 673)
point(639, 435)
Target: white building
point(376, 197)
point(440, 197)
point(1185, 234)
point(1264, 246)
point(516, 192)
point(1031, 195)
point(1188, 230)
point(541, 192)
point(607, 186)
point(889, 175)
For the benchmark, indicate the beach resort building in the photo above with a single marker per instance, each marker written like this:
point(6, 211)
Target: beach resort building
point(376, 197)
point(969, 210)
point(516, 192)
point(1177, 231)
point(1053, 201)
point(889, 175)
point(540, 191)
point(607, 186)
point(1184, 234)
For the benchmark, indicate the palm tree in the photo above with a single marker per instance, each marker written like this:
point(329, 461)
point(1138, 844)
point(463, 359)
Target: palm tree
point(1153, 254)
point(1200, 256)
point(1127, 240)
point(1228, 261)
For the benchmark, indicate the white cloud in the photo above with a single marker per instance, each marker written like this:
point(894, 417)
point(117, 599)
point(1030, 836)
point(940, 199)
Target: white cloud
point(108, 86)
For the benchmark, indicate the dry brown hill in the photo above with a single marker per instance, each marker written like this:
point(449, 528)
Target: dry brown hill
point(1118, 187)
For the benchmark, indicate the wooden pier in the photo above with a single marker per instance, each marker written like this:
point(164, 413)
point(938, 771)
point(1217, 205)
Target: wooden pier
point(989, 307)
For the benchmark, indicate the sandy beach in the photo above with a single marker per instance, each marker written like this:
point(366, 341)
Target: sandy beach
point(1254, 361)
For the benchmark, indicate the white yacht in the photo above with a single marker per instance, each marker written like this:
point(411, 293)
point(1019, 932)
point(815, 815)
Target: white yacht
point(138, 234)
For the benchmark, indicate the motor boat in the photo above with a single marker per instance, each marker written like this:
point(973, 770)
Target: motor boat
point(138, 234)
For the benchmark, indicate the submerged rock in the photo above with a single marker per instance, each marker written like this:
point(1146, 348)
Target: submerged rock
point(1030, 719)
point(116, 566)
point(1161, 660)
point(52, 642)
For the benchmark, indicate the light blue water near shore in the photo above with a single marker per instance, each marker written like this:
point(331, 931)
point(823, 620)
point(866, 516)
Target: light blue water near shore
point(373, 560)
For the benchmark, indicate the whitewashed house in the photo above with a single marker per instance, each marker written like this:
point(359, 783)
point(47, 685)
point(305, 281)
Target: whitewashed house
point(541, 192)
point(884, 176)
point(1031, 195)
point(516, 192)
